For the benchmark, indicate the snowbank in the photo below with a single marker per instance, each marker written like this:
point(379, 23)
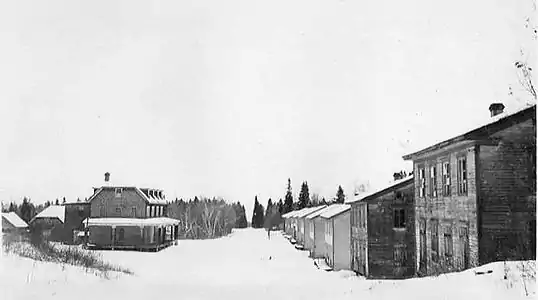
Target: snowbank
point(244, 266)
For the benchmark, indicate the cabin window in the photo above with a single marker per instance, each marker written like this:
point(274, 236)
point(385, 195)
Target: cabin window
point(399, 218)
point(421, 182)
point(311, 230)
point(161, 211)
point(462, 176)
point(448, 242)
point(118, 211)
point(118, 192)
point(121, 234)
point(446, 179)
point(399, 255)
point(435, 239)
point(148, 211)
point(133, 211)
point(102, 211)
point(433, 181)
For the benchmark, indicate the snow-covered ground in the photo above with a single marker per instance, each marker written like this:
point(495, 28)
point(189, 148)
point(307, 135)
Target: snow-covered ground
point(244, 265)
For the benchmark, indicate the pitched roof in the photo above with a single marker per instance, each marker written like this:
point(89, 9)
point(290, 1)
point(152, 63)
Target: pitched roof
point(148, 198)
point(480, 129)
point(395, 184)
point(334, 210)
point(317, 213)
point(14, 220)
point(53, 211)
point(308, 210)
point(289, 214)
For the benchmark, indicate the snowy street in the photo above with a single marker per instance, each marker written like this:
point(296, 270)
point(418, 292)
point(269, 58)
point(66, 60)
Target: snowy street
point(234, 267)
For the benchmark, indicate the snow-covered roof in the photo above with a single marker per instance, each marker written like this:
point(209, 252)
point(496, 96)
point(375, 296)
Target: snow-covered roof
point(289, 214)
point(150, 199)
point(335, 210)
point(361, 197)
point(317, 213)
point(293, 214)
point(471, 129)
point(130, 221)
point(53, 211)
point(306, 211)
point(14, 220)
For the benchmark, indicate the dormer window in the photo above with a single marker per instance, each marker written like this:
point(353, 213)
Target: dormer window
point(118, 192)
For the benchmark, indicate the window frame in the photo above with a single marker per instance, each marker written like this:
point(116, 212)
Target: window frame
point(463, 175)
point(448, 237)
point(434, 236)
point(133, 211)
point(433, 181)
point(118, 210)
point(421, 181)
point(446, 178)
point(399, 218)
point(118, 192)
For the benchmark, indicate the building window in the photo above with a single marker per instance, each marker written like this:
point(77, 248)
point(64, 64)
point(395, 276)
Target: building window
point(102, 211)
point(462, 176)
point(399, 255)
point(421, 183)
point(148, 211)
point(161, 211)
point(399, 218)
point(433, 181)
point(435, 239)
point(121, 234)
point(446, 179)
point(118, 192)
point(133, 212)
point(448, 242)
point(118, 211)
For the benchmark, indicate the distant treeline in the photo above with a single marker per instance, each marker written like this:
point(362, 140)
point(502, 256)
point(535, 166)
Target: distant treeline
point(207, 218)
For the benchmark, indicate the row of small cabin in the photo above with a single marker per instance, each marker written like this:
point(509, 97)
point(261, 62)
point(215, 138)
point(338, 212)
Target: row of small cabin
point(470, 200)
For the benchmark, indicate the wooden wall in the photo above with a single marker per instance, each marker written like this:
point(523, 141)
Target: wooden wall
point(383, 238)
point(507, 202)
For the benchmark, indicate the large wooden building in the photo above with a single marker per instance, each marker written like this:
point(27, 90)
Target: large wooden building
point(475, 195)
point(124, 217)
point(382, 231)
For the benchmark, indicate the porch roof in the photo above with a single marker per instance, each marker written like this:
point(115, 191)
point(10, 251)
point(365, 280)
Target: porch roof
point(130, 221)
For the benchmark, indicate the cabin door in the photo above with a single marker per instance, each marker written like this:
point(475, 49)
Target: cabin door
point(423, 249)
point(464, 246)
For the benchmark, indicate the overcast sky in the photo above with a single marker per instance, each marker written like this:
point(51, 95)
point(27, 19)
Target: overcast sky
point(230, 98)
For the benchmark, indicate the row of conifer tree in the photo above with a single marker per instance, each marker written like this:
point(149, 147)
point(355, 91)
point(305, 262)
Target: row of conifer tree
point(271, 215)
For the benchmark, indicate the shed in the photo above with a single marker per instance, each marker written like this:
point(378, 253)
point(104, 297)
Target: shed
point(337, 236)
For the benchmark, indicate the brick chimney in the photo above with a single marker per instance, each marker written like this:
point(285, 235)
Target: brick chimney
point(496, 108)
point(107, 177)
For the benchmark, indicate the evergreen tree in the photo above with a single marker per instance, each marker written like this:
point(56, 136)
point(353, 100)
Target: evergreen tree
point(288, 199)
point(280, 206)
point(324, 201)
point(255, 211)
point(12, 207)
point(57, 202)
point(304, 196)
point(63, 201)
point(27, 210)
point(340, 197)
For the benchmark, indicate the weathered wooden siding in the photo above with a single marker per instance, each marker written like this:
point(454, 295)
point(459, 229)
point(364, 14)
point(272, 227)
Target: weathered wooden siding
point(451, 212)
point(341, 241)
point(383, 238)
point(309, 235)
point(328, 247)
point(359, 238)
point(300, 231)
point(319, 238)
point(130, 203)
point(507, 201)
